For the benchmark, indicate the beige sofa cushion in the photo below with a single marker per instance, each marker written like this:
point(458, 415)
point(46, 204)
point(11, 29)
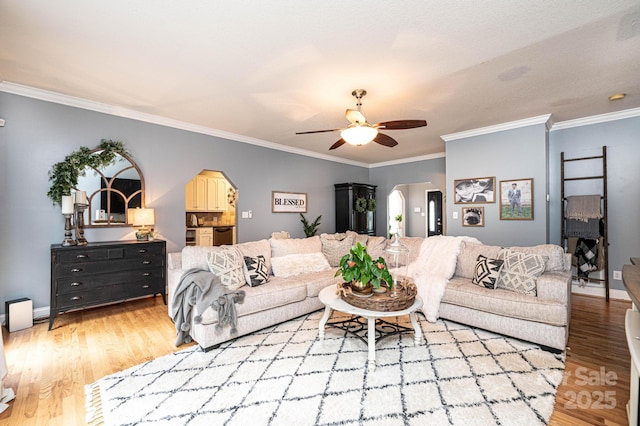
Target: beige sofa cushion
point(376, 246)
point(277, 292)
point(255, 249)
point(358, 238)
point(295, 246)
point(461, 292)
point(468, 257)
point(553, 252)
point(334, 246)
point(195, 257)
point(413, 244)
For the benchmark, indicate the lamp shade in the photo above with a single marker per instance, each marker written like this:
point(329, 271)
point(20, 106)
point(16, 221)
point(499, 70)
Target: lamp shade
point(143, 217)
point(359, 135)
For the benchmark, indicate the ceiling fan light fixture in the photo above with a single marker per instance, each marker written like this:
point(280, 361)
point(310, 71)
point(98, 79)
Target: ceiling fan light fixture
point(359, 135)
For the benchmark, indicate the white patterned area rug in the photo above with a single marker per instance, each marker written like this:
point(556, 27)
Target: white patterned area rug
point(284, 375)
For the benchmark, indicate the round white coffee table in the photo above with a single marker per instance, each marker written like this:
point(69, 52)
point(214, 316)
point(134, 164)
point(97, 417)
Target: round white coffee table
point(333, 302)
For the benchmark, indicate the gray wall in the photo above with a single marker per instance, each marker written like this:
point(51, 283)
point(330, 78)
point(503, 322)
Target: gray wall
point(387, 177)
point(510, 154)
point(38, 134)
point(622, 138)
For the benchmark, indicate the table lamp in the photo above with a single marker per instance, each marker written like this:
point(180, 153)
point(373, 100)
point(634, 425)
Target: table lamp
point(143, 218)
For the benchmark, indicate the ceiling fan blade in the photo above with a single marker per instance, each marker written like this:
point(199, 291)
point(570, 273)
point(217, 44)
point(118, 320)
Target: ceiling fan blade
point(338, 144)
point(401, 124)
point(317, 131)
point(385, 140)
point(355, 116)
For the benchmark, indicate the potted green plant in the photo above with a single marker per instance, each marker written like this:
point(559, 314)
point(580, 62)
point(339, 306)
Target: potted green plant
point(363, 272)
point(310, 229)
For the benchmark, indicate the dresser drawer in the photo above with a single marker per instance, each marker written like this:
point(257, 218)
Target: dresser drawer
point(107, 294)
point(88, 282)
point(81, 269)
point(146, 250)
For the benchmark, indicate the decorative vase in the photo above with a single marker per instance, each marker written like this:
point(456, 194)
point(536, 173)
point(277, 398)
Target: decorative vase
point(361, 289)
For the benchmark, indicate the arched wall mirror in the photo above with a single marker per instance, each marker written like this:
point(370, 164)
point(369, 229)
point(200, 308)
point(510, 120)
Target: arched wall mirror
point(113, 192)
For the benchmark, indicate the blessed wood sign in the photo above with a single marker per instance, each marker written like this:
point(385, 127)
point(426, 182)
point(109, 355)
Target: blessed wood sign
point(288, 202)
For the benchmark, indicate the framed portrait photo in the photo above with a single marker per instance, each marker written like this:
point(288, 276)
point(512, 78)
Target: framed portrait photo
point(473, 216)
point(516, 199)
point(474, 190)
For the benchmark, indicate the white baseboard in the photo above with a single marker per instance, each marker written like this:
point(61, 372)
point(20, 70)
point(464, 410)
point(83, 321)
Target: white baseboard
point(599, 291)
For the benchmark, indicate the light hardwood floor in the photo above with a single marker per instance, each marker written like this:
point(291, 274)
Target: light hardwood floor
point(49, 369)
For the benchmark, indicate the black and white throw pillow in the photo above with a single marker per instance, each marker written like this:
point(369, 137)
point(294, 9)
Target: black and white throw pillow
point(256, 271)
point(487, 271)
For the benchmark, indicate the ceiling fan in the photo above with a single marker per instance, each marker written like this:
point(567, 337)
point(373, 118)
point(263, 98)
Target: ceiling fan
point(360, 132)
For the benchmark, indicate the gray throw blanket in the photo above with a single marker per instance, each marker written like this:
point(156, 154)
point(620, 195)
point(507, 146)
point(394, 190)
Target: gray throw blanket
point(202, 289)
point(579, 228)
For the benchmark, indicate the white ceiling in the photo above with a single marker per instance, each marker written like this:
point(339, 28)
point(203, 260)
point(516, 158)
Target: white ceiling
point(268, 69)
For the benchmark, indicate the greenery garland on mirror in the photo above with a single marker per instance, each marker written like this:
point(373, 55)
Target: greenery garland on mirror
point(64, 175)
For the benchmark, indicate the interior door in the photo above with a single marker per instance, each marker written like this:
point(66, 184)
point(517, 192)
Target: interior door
point(434, 213)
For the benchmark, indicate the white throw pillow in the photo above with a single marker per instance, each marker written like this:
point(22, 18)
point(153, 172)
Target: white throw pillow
point(296, 264)
point(228, 264)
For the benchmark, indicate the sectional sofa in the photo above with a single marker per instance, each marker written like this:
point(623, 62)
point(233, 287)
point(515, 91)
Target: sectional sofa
point(300, 268)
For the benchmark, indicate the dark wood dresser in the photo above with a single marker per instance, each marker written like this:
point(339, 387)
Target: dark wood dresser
point(105, 272)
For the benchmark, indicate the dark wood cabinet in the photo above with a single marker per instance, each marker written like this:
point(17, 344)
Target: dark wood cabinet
point(105, 272)
point(350, 198)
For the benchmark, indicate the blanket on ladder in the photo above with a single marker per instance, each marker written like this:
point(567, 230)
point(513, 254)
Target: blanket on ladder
point(201, 289)
point(432, 269)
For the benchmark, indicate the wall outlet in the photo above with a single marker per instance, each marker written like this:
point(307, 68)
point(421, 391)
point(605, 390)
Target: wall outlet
point(455, 215)
point(617, 275)
point(245, 215)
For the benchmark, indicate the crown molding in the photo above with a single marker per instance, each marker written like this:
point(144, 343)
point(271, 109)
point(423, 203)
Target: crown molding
point(595, 119)
point(408, 160)
point(541, 119)
point(58, 98)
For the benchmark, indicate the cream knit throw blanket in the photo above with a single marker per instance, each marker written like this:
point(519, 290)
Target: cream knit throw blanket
point(583, 207)
point(433, 268)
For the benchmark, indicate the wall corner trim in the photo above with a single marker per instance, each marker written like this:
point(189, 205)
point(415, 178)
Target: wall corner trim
point(595, 119)
point(541, 119)
point(408, 160)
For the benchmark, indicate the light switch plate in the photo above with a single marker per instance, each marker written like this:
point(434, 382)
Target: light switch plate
point(455, 215)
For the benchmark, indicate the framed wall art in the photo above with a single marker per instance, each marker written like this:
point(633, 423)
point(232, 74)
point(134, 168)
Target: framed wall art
point(475, 190)
point(473, 216)
point(516, 199)
point(288, 202)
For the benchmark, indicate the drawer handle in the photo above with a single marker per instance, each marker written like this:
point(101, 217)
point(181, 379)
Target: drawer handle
point(142, 251)
point(75, 284)
point(146, 286)
point(76, 270)
point(147, 274)
point(76, 298)
point(146, 262)
point(81, 256)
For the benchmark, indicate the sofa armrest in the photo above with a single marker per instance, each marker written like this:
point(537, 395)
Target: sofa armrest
point(174, 260)
point(567, 261)
point(555, 286)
